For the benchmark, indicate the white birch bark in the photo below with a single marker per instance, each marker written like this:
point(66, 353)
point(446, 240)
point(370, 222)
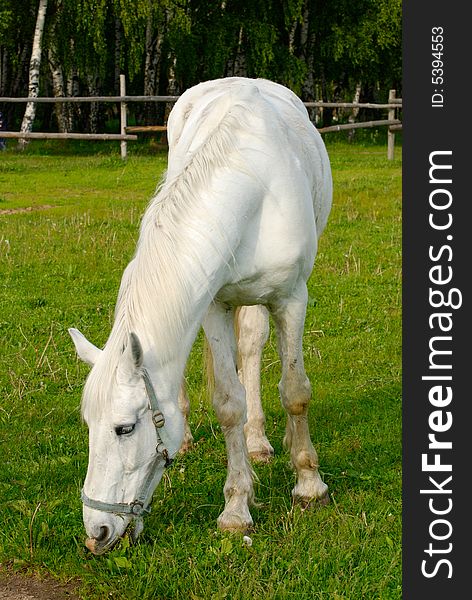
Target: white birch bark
point(153, 51)
point(356, 98)
point(355, 111)
point(151, 69)
point(35, 62)
point(237, 66)
point(58, 90)
point(93, 87)
point(57, 75)
point(73, 112)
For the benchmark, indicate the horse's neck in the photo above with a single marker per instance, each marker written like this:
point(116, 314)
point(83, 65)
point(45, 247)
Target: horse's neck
point(169, 285)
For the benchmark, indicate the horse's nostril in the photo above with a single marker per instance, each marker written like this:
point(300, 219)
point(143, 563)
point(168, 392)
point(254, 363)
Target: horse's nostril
point(102, 542)
point(103, 534)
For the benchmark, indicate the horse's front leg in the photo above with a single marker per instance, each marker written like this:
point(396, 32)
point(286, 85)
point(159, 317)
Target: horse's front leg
point(230, 407)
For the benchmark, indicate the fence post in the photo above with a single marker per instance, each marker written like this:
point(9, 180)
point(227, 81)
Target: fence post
point(390, 134)
point(123, 146)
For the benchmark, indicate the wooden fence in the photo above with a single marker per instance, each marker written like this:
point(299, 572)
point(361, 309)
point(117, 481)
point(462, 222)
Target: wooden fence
point(129, 133)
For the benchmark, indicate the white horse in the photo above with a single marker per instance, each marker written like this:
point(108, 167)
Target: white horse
point(235, 223)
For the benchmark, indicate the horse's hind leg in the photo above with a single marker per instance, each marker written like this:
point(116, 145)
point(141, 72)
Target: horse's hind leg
point(184, 405)
point(295, 393)
point(230, 407)
point(253, 331)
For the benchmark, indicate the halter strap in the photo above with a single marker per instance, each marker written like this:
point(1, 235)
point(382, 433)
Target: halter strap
point(137, 507)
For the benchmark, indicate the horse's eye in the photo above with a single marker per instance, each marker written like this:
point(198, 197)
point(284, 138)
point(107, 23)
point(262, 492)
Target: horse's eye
point(124, 429)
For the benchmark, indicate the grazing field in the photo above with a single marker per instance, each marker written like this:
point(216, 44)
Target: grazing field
point(68, 227)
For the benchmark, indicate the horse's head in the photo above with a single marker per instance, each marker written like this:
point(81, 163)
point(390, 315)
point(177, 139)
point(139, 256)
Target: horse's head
point(127, 455)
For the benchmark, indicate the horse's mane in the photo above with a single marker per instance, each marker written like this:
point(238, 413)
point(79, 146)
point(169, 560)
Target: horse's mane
point(156, 290)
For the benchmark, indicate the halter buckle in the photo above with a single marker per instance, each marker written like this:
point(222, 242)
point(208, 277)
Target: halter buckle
point(137, 508)
point(158, 419)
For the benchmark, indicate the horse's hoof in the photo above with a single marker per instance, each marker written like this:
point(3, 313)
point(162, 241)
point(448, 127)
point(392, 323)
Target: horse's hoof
point(235, 523)
point(311, 493)
point(311, 503)
point(259, 450)
point(263, 456)
point(324, 500)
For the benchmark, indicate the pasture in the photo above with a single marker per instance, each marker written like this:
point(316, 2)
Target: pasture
point(68, 227)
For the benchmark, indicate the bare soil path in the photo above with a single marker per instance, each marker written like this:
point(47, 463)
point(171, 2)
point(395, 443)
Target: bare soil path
point(14, 211)
point(19, 587)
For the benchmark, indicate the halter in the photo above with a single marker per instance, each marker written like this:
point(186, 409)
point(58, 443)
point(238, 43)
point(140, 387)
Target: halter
point(138, 507)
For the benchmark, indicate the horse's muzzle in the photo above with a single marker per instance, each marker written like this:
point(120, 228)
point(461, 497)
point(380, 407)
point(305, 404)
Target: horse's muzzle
point(104, 541)
point(107, 539)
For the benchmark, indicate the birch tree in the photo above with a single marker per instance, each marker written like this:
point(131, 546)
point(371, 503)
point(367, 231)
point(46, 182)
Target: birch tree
point(35, 63)
point(56, 69)
point(154, 37)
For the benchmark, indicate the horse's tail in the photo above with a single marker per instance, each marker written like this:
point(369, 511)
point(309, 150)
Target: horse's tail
point(209, 372)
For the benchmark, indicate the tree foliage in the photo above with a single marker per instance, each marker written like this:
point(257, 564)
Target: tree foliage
point(322, 50)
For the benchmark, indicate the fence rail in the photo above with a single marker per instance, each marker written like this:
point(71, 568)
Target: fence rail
point(67, 136)
point(347, 126)
point(62, 99)
point(127, 133)
point(395, 104)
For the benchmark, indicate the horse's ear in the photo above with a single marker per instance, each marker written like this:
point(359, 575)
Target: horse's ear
point(131, 359)
point(136, 350)
point(85, 349)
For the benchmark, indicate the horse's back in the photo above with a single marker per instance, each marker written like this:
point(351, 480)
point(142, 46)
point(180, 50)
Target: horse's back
point(275, 118)
point(280, 162)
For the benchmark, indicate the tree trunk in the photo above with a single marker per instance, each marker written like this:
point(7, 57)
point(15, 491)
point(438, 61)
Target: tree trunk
point(327, 114)
point(172, 87)
point(307, 42)
point(118, 53)
point(355, 111)
point(94, 114)
point(3, 70)
point(151, 70)
point(237, 67)
point(57, 75)
point(73, 112)
point(21, 70)
point(35, 62)
point(58, 90)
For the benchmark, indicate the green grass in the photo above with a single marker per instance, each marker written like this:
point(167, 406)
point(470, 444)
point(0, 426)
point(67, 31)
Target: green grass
point(61, 267)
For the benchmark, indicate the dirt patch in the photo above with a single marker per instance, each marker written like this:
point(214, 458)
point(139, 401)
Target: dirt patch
point(14, 211)
point(19, 587)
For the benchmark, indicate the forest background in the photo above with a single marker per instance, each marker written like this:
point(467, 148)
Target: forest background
point(328, 50)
